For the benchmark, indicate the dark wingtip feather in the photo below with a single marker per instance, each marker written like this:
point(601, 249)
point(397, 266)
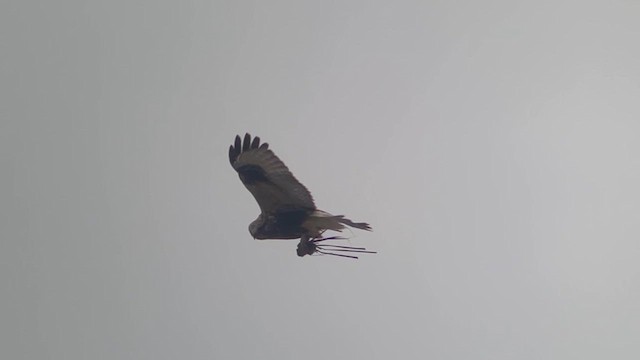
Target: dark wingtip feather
point(234, 150)
point(241, 145)
point(247, 142)
point(232, 154)
point(238, 143)
point(256, 142)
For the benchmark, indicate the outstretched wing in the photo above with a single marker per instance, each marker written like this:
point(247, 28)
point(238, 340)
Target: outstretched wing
point(267, 177)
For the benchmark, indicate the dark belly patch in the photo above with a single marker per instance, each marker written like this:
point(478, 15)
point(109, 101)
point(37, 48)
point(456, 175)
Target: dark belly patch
point(291, 218)
point(285, 224)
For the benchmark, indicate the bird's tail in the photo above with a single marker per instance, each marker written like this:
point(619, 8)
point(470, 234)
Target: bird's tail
point(319, 221)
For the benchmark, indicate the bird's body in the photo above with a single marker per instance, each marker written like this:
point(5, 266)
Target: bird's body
point(287, 208)
point(283, 224)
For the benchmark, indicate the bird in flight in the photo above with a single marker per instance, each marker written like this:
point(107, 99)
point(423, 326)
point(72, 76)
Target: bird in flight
point(287, 207)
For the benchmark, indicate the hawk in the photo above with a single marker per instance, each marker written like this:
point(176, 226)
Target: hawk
point(287, 207)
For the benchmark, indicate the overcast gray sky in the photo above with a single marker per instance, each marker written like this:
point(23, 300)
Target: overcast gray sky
point(493, 146)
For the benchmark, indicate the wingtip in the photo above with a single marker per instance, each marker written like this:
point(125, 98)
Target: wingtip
point(234, 152)
point(246, 143)
point(243, 144)
point(256, 142)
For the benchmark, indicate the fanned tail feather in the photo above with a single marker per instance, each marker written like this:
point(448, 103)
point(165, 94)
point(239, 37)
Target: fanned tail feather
point(357, 225)
point(319, 221)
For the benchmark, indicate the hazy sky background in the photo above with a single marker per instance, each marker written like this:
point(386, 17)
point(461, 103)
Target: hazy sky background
point(492, 145)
